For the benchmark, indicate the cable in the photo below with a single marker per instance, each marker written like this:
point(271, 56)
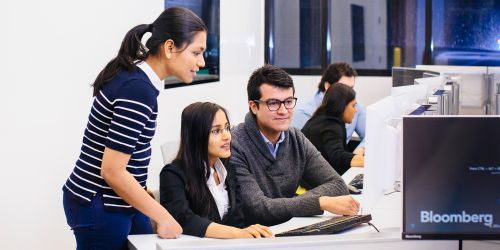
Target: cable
point(371, 224)
point(394, 191)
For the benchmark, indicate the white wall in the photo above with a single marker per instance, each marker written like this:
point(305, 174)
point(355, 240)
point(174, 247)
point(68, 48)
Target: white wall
point(52, 51)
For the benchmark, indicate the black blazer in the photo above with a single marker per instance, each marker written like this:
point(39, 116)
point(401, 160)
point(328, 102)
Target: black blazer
point(328, 135)
point(173, 196)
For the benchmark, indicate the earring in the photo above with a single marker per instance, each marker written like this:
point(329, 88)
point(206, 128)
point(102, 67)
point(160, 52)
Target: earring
point(169, 56)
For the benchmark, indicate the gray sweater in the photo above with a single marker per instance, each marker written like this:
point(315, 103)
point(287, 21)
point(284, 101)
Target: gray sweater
point(268, 185)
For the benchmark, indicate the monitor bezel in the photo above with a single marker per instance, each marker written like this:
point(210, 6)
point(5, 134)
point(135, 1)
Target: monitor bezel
point(439, 236)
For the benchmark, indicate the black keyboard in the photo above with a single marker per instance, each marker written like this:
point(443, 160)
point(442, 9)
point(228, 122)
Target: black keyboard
point(331, 226)
point(357, 181)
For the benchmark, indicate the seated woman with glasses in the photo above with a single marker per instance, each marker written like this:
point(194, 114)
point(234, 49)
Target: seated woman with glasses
point(326, 128)
point(197, 189)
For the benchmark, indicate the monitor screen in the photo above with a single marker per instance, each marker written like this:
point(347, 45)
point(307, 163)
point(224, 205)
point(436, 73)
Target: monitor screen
point(451, 177)
point(402, 76)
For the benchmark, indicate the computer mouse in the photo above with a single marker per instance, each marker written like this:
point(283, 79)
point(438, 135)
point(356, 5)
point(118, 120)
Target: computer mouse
point(357, 181)
point(353, 190)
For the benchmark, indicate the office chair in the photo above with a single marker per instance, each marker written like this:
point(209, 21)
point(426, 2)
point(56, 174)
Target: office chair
point(169, 151)
point(164, 152)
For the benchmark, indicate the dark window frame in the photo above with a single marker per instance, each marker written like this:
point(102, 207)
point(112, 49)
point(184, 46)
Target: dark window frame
point(325, 54)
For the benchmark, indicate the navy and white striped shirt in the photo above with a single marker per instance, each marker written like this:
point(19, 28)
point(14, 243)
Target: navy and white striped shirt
point(123, 118)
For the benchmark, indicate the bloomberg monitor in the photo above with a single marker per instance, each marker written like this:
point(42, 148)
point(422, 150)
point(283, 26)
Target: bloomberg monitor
point(451, 177)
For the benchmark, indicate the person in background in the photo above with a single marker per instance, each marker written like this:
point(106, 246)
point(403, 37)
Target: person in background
point(270, 158)
point(105, 197)
point(197, 188)
point(336, 72)
point(327, 127)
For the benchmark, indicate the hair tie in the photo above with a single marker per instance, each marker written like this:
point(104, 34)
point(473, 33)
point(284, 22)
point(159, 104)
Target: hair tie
point(150, 28)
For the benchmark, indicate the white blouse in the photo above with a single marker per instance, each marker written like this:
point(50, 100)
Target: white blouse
point(219, 192)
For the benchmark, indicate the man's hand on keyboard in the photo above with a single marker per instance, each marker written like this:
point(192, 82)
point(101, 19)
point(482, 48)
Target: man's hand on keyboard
point(342, 205)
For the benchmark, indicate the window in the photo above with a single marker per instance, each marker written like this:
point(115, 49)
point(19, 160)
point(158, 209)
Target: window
point(304, 36)
point(466, 32)
point(295, 32)
point(208, 11)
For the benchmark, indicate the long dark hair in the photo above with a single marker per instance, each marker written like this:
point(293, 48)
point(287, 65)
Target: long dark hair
point(176, 23)
point(196, 123)
point(335, 101)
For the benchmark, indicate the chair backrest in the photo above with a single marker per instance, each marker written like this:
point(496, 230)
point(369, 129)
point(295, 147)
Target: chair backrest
point(169, 151)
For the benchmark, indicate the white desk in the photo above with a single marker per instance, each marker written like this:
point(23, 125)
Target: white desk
point(386, 216)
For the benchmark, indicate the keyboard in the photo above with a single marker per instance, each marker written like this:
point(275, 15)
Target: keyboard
point(330, 226)
point(357, 181)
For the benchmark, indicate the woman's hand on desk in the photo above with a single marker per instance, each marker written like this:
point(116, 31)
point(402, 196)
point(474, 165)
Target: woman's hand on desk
point(220, 231)
point(343, 205)
point(169, 228)
point(358, 161)
point(255, 231)
point(359, 151)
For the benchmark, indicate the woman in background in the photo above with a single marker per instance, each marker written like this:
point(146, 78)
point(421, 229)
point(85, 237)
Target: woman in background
point(199, 191)
point(336, 72)
point(326, 128)
point(105, 197)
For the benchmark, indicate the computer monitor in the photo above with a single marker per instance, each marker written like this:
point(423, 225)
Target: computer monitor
point(474, 91)
point(451, 177)
point(383, 149)
point(495, 88)
point(409, 95)
point(402, 76)
point(431, 84)
point(383, 135)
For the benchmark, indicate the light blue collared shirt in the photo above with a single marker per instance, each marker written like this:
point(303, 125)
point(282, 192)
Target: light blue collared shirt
point(303, 113)
point(273, 149)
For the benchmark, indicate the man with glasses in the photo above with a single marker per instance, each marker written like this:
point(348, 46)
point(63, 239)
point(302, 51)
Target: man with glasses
point(270, 158)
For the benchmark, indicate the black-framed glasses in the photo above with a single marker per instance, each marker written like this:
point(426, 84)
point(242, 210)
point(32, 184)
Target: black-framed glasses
point(275, 104)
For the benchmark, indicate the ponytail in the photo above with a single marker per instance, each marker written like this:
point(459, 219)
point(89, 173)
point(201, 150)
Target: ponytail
point(131, 50)
point(176, 23)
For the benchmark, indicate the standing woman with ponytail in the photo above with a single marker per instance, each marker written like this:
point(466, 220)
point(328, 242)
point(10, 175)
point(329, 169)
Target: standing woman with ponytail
point(105, 197)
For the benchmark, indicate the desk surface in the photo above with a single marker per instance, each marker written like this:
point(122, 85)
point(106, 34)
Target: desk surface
point(386, 217)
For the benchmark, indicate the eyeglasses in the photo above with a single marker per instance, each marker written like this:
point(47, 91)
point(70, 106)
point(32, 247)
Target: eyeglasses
point(275, 104)
point(219, 131)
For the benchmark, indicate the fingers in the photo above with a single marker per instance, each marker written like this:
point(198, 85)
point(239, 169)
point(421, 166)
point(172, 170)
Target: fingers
point(345, 205)
point(257, 231)
point(170, 230)
point(355, 205)
point(351, 206)
point(269, 232)
point(253, 231)
point(263, 230)
point(168, 234)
